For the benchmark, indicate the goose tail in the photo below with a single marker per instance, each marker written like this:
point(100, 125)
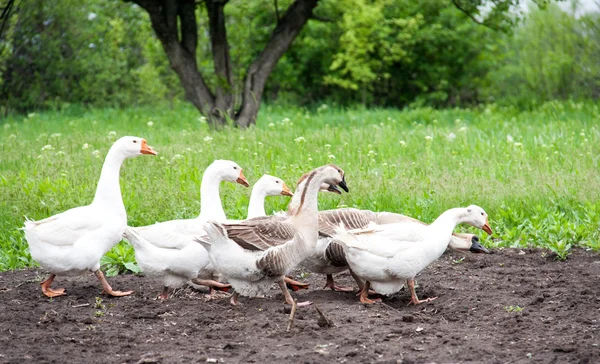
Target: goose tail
point(347, 239)
point(217, 235)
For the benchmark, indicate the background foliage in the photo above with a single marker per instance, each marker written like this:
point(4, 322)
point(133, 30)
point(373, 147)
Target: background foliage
point(376, 52)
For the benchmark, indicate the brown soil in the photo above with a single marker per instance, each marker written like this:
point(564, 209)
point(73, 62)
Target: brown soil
point(472, 319)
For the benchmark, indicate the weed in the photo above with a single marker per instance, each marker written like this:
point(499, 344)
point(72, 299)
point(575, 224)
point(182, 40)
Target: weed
point(513, 308)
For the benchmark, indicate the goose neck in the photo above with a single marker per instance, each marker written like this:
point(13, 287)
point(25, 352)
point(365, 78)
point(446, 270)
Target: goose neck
point(108, 191)
point(211, 207)
point(256, 207)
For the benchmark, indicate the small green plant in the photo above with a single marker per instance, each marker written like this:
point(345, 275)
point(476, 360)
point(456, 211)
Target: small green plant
point(513, 308)
point(98, 305)
point(459, 260)
point(120, 259)
point(99, 313)
point(561, 248)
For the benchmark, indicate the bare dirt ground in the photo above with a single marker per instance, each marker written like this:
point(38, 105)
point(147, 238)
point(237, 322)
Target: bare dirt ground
point(512, 306)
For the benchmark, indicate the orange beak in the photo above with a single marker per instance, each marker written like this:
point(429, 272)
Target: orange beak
point(286, 191)
point(146, 149)
point(242, 179)
point(487, 228)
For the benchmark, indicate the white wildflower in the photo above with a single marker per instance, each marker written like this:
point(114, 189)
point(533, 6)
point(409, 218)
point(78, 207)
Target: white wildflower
point(112, 133)
point(582, 134)
point(285, 120)
point(428, 138)
point(271, 125)
point(518, 144)
point(300, 140)
point(331, 156)
point(96, 153)
point(463, 129)
point(92, 16)
point(47, 147)
point(92, 45)
point(371, 153)
point(177, 156)
point(451, 136)
point(260, 143)
point(509, 138)
point(55, 135)
point(402, 143)
point(457, 121)
point(7, 125)
point(202, 119)
point(150, 123)
point(208, 139)
point(12, 136)
point(327, 145)
point(310, 159)
point(31, 115)
point(85, 146)
point(60, 152)
point(241, 137)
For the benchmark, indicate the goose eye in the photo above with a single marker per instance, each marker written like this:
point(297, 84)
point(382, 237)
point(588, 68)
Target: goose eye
point(276, 181)
point(482, 214)
point(135, 141)
point(234, 167)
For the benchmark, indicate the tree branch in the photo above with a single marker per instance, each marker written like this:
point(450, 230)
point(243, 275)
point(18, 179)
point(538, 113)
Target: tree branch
point(322, 18)
point(276, 10)
point(466, 12)
point(189, 27)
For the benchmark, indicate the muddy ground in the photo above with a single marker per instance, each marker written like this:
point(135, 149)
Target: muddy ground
point(512, 306)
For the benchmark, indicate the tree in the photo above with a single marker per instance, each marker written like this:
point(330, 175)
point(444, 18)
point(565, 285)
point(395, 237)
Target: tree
point(175, 25)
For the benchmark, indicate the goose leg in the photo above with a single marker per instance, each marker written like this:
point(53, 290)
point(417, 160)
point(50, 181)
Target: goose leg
point(360, 284)
point(330, 284)
point(49, 292)
point(164, 294)
point(106, 288)
point(234, 299)
point(364, 295)
point(413, 295)
point(212, 284)
point(295, 285)
point(288, 297)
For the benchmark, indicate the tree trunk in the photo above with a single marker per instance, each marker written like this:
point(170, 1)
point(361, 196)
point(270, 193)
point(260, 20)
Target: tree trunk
point(175, 25)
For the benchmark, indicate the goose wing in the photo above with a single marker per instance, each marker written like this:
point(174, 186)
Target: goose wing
point(261, 233)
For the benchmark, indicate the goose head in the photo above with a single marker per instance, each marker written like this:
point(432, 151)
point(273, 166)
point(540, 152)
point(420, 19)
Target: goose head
point(335, 178)
point(132, 146)
point(467, 243)
point(477, 217)
point(272, 186)
point(229, 171)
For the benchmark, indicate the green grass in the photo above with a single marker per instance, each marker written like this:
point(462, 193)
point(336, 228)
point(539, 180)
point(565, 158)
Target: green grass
point(535, 173)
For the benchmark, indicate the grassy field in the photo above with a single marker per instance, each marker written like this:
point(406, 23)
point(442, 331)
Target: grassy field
point(535, 173)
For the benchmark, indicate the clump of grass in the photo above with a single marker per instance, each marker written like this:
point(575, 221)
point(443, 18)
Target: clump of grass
point(534, 172)
point(513, 309)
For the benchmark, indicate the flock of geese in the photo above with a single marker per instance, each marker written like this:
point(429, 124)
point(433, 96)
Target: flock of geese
point(382, 250)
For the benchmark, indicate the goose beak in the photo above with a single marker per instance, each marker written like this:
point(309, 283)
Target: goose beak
point(286, 191)
point(334, 189)
point(146, 149)
point(242, 179)
point(487, 228)
point(476, 247)
point(343, 184)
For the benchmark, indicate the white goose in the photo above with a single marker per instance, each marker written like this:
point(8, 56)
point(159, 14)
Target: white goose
point(387, 256)
point(177, 265)
point(251, 272)
point(329, 258)
point(73, 242)
point(177, 234)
